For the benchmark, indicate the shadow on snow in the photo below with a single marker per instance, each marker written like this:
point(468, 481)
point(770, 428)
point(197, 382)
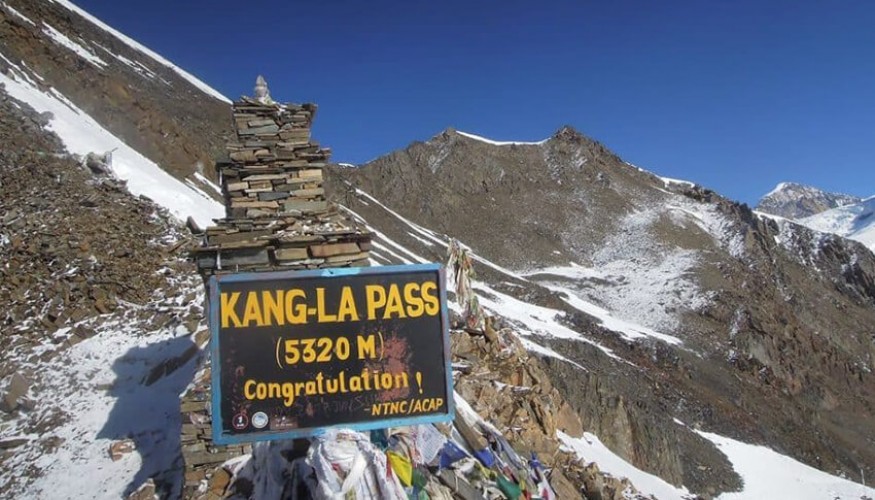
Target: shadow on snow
point(148, 383)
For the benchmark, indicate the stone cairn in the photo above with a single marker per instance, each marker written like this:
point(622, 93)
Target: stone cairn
point(276, 218)
point(276, 213)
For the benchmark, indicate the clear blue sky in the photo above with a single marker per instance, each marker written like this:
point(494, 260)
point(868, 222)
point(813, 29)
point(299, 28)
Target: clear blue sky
point(735, 95)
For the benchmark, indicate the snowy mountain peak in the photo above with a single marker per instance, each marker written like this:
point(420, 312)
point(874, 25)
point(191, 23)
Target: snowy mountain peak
point(855, 221)
point(794, 201)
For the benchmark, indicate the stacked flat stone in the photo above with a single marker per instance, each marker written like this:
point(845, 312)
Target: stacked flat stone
point(203, 458)
point(277, 216)
point(275, 169)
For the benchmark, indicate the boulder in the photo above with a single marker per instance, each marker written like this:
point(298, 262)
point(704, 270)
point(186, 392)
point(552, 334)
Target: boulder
point(14, 395)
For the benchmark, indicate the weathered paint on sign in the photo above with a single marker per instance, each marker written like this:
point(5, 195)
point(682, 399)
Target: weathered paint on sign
point(295, 352)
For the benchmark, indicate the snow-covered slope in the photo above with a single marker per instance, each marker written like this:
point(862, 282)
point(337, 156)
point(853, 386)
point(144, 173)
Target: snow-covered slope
point(855, 221)
point(161, 111)
point(766, 473)
point(769, 474)
point(82, 134)
point(98, 385)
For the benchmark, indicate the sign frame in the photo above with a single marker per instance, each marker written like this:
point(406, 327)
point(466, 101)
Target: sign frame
point(214, 285)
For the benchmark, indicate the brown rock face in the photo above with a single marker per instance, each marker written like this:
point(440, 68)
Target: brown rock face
point(84, 236)
point(15, 392)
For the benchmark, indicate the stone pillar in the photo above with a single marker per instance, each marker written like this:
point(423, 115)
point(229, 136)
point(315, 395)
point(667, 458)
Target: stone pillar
point(276, 218)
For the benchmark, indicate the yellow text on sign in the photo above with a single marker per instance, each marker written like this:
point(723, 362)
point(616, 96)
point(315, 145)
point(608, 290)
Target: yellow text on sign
point(326, 349)
point(295, 307)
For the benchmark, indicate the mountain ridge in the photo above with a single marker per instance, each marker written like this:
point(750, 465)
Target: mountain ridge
point(792, 200)
point(727, 264)
point(836, 213)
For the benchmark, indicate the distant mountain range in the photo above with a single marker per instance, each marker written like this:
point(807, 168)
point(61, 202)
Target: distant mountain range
point(795, 201)
point(836, 213)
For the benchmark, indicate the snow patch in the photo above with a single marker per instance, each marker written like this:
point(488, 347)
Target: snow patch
point(803, 244)
point(636, 167)
point(81, 51)
point(710, 220)
point(383, 248)
point(420, 239)
point(17, 14)
point(395, 245)
point(536, 348)
point(435, 160)
point(416, 227)
point(778, 189)
point(81, 466)
point(430, 235)
point(207, 182)
point(573, 297)
point(500, 143)
point(628, 330)
point(636, 279)
point(532, 319)
point(574, 271)
point(768, 474)
point(590, 449)
point(99, 391)
point(679, 182)
point(136, 66)
point(194, 187)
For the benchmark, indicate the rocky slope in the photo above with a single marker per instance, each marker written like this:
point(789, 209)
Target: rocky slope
point(795, 201)
point(96, 296)
point(162, 113)
point(103, 328)
point(750, 327)
point(99, 332)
